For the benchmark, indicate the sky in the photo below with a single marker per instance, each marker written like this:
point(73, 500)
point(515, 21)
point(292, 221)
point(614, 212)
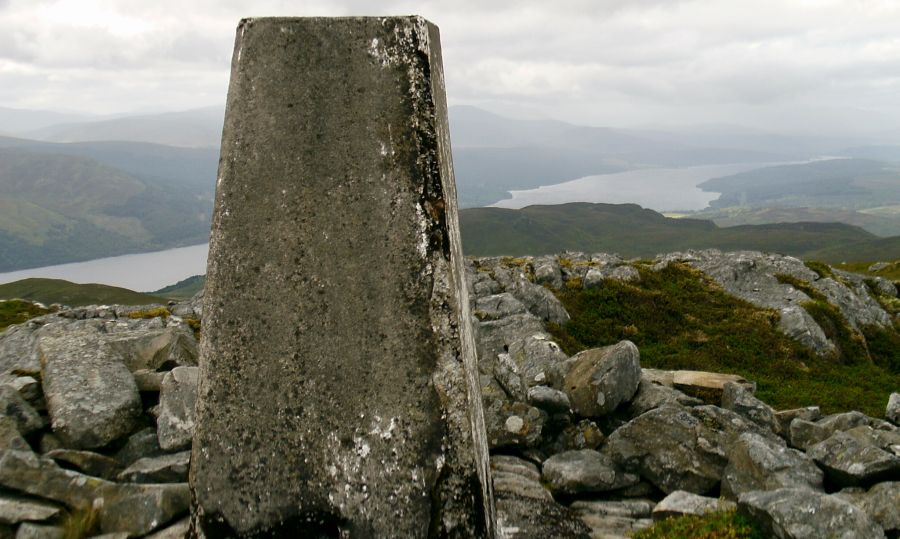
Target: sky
point(804, 66)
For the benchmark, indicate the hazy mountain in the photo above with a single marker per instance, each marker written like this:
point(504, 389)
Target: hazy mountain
point(197, 128)
point(13, 121)
point(633, 231)
point(879, 153)
point(876, 224)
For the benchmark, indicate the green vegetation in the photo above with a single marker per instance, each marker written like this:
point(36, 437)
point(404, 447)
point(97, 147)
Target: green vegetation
point(149, 313)
point(633, 231)
point(182, 290)
point(680, 319)
point(49, 291)
point(871, 220)
point(17, 311)
point(81, 523)
point(719, 525)
point(891, 271)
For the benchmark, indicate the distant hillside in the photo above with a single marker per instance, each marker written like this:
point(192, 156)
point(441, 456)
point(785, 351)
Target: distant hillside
point(632, 231)
point(838, 183)
point(182, 290)
point(197, 128)
point(49, 291)
point(20, 120)
point(57, 208)
point(880, 225)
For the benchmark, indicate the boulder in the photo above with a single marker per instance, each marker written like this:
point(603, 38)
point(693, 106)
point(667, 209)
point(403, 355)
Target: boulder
point(614, 518)
point(549, 399)
point(149, 381)
point(537, 358)
point(17, 348)
point(518, 477)
point(858, 457)
point(14, 406)
point(804, 434)
point(671, 448)
point(88, 462)
point(584, 471)
point(508, 422)
point(29, 388)
point(738, 399)
point(15, 509)
point(651, 395)
point(805, 514)
point(151, 349)
point(597, 381)
point(758, 463)
point(546, 271)
point(881, 502)
point(892, 413)
point(497, 306)
point(494, 337)
point(129, 508)
point(681, 503)
point(179, 530)
point(143, 443)
point(708, 386)
point(10, 437)
point(91, 395)
point(27, 530)
point(177, 399)
point(163, 469)
point(582, 435)
point(539, 301)
point(507, 374)
point(785, 417)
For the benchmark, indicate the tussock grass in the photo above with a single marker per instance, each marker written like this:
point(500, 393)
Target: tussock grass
point(718, 525)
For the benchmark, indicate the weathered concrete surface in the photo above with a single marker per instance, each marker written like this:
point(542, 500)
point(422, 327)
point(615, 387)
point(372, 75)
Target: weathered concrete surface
point(338, 392)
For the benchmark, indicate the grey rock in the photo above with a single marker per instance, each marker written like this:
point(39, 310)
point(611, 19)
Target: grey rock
point(681, 503)
point(480, 283)
point(804, 434)
point(892, 413)
point(650, 395)
point(584, 471)
point(736, 398)
point(88, 462)
point(506, 372)
point(797, 324)
point(547, 398)
point(513, 476)
point(141, 444)
point(706, 385)
point(17, 348)
point(881, 502)
point(758, 463)
point(546, 271)
point(805, 514)
point(537, 358)
point(671, 448)
point(10, 437)
point(28, 387)
point(593, 279)
point(496, 336)
point(49, 442)
point(878, 266)
point(785, 417)
point(520, 517)
point(177, 399)
point(134, 509)
point(583, 435)
point(15, 509)
point(14, 406)
point(508, 422)
point(151, 349)
point(178, 530)
point(610, 519)
point(597, 381)
point(91, 396)
point(539, 301)
point(858, 457)
point(163, 469)
point(149, 381)
point(497, 306)
point(27, 530)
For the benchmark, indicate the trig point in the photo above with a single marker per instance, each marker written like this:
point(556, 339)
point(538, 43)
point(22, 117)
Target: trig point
point(338, 392)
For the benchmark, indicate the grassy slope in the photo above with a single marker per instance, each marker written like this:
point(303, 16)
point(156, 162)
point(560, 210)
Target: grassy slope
point(182, 290)
point(18, 311)
point(681, 320)
point(48, 291)
point(876, 224)
point(633, 231)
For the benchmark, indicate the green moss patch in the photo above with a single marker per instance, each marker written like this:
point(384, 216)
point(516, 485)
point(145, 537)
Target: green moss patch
point(17, 311)
point(719, 525)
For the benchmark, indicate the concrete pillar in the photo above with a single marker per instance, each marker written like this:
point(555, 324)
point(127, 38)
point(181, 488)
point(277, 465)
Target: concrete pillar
point(338, 393)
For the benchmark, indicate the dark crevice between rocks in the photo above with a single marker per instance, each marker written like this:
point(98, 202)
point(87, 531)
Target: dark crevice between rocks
point(309, 524)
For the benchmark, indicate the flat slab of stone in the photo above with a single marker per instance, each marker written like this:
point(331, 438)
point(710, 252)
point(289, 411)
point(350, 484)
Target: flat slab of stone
point(338, 384)
point(681, 503)
point(175, 421)
point(15, 509)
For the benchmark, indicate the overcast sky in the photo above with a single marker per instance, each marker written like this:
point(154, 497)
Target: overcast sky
point(788, 65)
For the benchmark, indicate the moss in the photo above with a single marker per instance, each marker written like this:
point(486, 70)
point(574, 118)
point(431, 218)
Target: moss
point(195, 326)
point(150, 313)
point(17, 311)
point(718, 525)
point(81, 523)
point(685, 321)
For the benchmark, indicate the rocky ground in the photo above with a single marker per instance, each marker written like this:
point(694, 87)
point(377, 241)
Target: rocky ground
point(98, 416)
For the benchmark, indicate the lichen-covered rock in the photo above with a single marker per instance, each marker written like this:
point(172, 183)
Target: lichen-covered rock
point(681, 503)
point(549, 399)
point(88, 462)
point(582, 435)
point(546, 271)
point(150, 349)
point(804, 434)
point(27, 530)
point(519, 477)
point(599, 380)
point(892, 413)
point(651, 395)
point(671, 448)
point(508, 422)
point(13, 405)
point(17, 347)
point(614, 518)
point(785, 417)
point(143, 443)
point(177, 399)
point(15, 509)
point(737, 399)
point(758, 463)
point(539, 301)
point(584, 471)
point(497, 306)
point(163, 469)
point(10, 437)
point(91, 395)
point(537, 358)
point(806, 514)
point(881, 502)
point(495, 337)
point(858, 457)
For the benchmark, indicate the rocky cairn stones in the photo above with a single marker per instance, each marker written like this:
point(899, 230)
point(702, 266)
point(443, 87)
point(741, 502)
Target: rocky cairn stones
point(338, 384)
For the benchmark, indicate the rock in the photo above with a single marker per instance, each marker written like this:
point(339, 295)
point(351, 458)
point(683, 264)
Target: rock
point(584, 471)
point(758, 463)
point(878, 266)
point(147, 380)
point(178, 530)
point(804, 434)
point(17, 348)
point(15, 509)
point(593, 279)
point(708, 386)
point(806, 514)
point(539, 301)
point(671, 448)
point(893, 409)
point(651, 395)
point(151, 349)
point(583, 435)
point(177, 399)
point(506, 373)
point(10, 437)
point(537, 358)
point(552, 400)
point(497, 306)
point(93, 464)
point(91, 395)
point(141, 444)
point(164, 469)
point(13, 405)
point(736, 398)
point(129, 508)
point(28, 530)
point(681, 503)
point(495, 336)
point(785, 417)
point(881, 502)
point(546, 271)
point(597, 381)
point(519, 477)
point(28, 387)
point(857, 457)
point(614, 518)
point(509, 423)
